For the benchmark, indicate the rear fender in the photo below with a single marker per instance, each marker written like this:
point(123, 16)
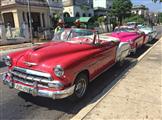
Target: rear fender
point(123, 50)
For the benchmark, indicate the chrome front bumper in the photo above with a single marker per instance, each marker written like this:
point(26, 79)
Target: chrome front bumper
point(35, 91)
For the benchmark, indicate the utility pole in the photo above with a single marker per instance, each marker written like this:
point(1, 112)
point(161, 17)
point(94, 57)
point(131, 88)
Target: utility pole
point(30, 22)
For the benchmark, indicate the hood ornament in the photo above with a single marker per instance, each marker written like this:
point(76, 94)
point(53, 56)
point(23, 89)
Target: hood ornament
point(29, 64)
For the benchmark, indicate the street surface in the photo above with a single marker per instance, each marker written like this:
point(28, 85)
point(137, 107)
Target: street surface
point(19, 105)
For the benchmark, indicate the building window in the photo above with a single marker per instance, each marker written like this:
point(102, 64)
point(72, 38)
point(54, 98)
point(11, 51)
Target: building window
point(84, 15)
point(77, 14)
point(56, 0)
point(66, 14)
point(23, 15)
point(9, 19)
point(89, 15)
point(43, 20)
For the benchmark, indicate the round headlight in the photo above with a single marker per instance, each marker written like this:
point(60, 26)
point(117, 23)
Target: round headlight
point(7, 60)
point(59, 71)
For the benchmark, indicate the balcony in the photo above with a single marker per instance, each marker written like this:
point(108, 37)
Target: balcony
point(7, 2)
point(42, 3)
point(53, 4)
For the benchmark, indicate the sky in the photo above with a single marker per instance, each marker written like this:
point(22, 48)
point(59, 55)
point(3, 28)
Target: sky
point(154, 7)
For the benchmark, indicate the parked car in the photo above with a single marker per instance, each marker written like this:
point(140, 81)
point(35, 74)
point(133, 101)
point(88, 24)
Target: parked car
point(124, 29)
point(63, 67)
point(134, 38)
point(149, 31)
point(132, 24)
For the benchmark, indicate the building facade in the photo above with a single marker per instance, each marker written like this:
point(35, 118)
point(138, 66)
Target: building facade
point(78, 8)
point(140, 10)
point(101, 7)
point(0, 13)
point(15, 12)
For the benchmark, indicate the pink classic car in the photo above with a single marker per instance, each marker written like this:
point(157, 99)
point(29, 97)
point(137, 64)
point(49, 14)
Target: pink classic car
point(126, 34)
point(65, 66)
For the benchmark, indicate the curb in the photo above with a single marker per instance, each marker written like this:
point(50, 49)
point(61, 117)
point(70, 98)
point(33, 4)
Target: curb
point(84, 112)
point(145, 53)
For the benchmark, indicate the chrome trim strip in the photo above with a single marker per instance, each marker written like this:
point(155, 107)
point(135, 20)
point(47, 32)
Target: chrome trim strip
point(33, 78)
point(57, 94)
point(22, 81)
point(30, 64)
point(33, 72)
point(44, 93)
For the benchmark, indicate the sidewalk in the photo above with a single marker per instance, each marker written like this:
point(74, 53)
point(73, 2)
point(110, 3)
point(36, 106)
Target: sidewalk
point(138, 95)
point(22, 45)
point(8, 47)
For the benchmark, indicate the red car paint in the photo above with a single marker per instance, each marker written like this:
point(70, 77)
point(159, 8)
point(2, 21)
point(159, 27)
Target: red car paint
point(73, 57)
point(133, 38)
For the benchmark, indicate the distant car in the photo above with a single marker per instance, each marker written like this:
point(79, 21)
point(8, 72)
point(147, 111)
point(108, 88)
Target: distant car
point(124, 29)
point(132, 24)
point(129, 35)
point(149, 31)
point(64, 67)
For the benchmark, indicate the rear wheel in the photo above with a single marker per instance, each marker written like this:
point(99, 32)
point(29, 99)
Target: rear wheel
point(150, 38)
point(121, 63)
point(134, 52)
point(81, 84)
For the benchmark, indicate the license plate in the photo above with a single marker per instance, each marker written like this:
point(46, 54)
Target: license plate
point(23, 88)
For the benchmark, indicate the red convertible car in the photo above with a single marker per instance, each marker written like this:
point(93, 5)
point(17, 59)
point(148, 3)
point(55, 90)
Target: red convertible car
point(63, 67)
point(127, 34)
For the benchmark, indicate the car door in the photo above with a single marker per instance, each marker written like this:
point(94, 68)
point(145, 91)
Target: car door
point(106, 55)
point(109, 53)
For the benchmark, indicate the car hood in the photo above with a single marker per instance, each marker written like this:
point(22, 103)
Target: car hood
point(53, 50)
point(126, 36)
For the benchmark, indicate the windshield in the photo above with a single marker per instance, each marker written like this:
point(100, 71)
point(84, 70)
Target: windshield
point(145, 27)
point(75, 36)
point(125, 29)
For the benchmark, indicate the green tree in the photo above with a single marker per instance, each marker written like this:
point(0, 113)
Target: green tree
point(134, 18)
point(121, 9)
point(100, 21)
point(157, 1)
point(160, 18)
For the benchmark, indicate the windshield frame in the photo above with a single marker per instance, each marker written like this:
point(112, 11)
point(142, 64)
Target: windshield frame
point(74, 30)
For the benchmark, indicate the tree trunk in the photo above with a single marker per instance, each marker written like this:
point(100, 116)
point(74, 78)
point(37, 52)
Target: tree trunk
point(120, 20)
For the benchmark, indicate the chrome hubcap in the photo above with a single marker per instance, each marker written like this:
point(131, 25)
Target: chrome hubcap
point(80, 87)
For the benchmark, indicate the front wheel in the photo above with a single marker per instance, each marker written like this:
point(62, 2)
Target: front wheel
point(134, 51)
point(81, 84)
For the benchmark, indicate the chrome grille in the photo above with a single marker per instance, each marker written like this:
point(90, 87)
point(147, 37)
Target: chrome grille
point(27, 76)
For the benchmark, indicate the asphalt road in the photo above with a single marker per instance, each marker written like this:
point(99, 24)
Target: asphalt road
point(18, 105)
